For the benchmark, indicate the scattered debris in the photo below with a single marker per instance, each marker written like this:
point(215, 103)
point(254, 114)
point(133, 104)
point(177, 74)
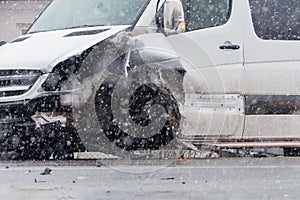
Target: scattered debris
point(214, 155)
point(181, 158)
point(251, 152)
point(37, 181)
point(164, 179)
point(46, 171)
point(99, 163)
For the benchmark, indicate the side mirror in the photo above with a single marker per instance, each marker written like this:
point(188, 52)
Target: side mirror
point(2, 43)
point(170, 17)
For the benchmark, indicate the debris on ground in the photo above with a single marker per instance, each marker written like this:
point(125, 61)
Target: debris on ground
point(251, 152)
point(166, 179)
point(181, 158)
point(46, 171)
point(38, 181)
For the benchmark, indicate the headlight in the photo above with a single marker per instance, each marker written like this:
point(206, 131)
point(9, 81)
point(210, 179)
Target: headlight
point(61, 73)
point(64, 81)
point(52, 82)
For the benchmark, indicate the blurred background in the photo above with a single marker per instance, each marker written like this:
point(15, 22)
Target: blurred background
point(17, 15)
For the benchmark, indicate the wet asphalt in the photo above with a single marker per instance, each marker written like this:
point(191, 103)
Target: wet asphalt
point(222, 178)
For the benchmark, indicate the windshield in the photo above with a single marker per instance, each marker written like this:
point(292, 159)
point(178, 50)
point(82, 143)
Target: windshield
point(64, 14)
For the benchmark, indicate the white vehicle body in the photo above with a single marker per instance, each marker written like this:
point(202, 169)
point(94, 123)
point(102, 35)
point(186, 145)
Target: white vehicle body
point(238, 86)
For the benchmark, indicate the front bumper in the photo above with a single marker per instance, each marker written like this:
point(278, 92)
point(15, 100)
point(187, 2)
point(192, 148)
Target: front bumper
point(18, 130)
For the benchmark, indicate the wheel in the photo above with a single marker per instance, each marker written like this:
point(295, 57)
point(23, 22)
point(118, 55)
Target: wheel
point(140, 112)
point(131, 106)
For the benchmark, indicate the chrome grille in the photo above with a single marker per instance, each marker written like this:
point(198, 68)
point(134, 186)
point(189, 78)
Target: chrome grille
point(17, 82)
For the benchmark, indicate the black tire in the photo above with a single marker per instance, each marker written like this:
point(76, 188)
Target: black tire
point(140, 102)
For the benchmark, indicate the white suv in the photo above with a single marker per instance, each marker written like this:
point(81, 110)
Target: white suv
point(144, 72)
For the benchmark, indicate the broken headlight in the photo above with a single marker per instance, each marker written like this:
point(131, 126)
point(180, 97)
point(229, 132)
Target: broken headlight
point(65, 81)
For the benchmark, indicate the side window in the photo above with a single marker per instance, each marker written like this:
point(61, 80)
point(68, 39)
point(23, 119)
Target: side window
point(276, 19)
point(202, 14)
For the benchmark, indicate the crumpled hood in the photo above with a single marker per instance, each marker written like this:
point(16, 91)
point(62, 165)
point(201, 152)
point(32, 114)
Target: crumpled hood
point(44, 50)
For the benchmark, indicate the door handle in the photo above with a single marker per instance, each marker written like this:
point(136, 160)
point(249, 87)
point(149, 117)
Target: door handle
point(230, 47)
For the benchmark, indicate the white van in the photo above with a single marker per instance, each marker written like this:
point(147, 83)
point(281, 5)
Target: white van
point(144, 72)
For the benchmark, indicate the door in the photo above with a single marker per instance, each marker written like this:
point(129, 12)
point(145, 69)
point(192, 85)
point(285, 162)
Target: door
point(211, 50)
point(272, 69)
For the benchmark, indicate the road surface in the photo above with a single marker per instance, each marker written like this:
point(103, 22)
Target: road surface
point(222, 178)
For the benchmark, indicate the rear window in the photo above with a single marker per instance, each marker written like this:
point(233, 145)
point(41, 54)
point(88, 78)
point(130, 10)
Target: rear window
point(276, 19)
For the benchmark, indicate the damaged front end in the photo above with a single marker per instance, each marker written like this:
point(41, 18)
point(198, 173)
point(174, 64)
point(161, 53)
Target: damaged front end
point(111, 89)
point(37, 129)
point(33, 123)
